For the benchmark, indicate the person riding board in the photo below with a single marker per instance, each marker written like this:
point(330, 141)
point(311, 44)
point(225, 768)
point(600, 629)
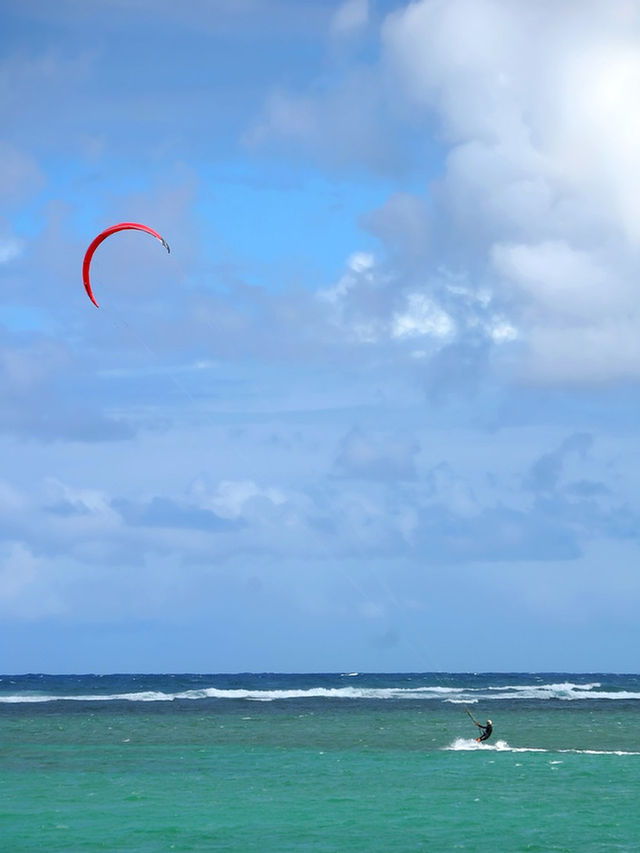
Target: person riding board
point(486, 730)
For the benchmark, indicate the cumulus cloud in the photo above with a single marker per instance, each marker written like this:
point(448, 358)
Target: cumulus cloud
point(538, 108)
point(234, 499)
point(421, 317)
point(359, 269)
point(67, 544)
point(437, 317)
point(534, 194)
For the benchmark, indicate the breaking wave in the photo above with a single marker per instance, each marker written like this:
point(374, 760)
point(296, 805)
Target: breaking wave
point(556, 691)
point(245, 694)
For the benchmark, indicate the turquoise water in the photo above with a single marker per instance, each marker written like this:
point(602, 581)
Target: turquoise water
point(319, 763)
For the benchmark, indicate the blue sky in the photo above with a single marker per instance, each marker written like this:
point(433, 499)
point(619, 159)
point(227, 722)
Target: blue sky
point(378, 408)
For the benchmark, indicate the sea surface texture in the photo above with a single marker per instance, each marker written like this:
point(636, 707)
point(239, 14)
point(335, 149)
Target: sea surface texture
point(339, 762)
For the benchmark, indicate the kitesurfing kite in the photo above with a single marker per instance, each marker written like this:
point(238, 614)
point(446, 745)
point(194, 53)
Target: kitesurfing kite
point(122, 226)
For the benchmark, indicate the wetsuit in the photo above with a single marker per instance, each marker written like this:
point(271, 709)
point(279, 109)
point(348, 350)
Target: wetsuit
point(486, 731)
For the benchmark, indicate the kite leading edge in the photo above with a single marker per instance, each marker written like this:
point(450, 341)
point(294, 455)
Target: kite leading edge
point(122, 226)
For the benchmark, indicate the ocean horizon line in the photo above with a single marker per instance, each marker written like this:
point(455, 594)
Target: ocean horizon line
point(314, 672)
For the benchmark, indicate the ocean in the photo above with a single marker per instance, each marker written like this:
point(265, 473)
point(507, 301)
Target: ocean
point(320, 762)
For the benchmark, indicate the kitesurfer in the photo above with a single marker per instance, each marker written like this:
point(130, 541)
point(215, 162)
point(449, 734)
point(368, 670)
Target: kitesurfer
point(486, 730)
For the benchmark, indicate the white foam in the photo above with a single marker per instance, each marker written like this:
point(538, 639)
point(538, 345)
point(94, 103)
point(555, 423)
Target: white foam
point(468, 745)
point(564, 686)
point(322, 693)
point(565, 691)
point(146, 696)
point(245, 694)
point(461, 744)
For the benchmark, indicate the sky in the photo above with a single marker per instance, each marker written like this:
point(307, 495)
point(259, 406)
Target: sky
point(377, 410)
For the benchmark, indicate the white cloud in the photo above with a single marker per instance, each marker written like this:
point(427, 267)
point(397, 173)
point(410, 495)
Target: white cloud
point(83, 501)
point(539, 107)
point(360, 267)
point(581, 323)
point(231, 499)
point(501, 331)
point(561, 282)
point(422, 317)
point(438, 48)
point(352, 300)
point(537, 207)
point(587, 353)
point(593, 138)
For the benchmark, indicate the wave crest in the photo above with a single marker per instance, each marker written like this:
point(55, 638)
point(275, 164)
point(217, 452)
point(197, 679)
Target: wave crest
point(553, 691)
